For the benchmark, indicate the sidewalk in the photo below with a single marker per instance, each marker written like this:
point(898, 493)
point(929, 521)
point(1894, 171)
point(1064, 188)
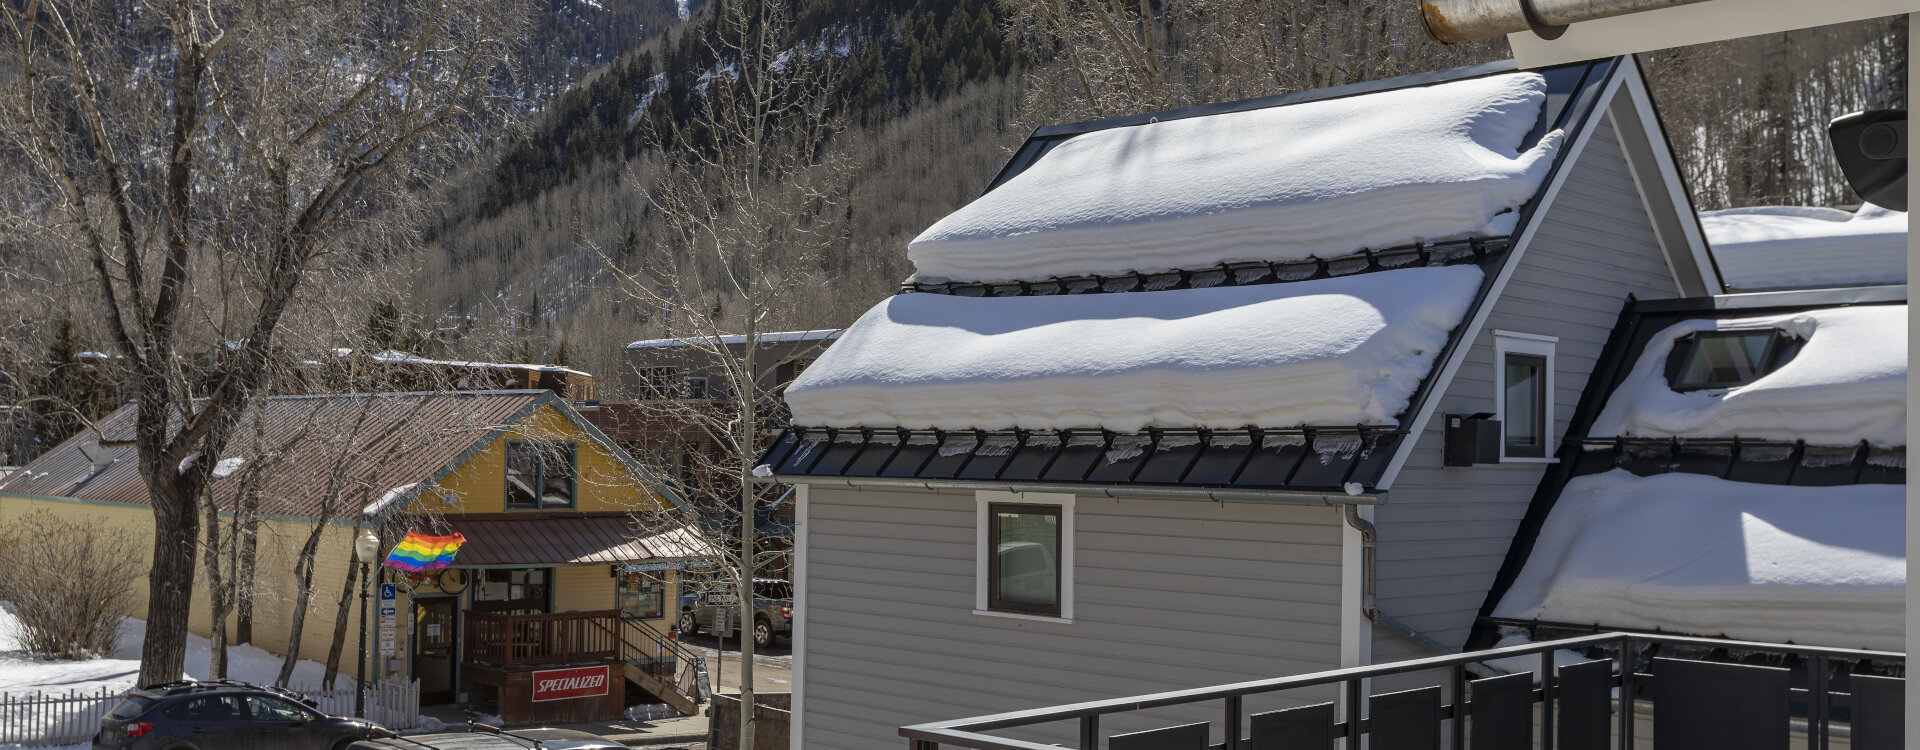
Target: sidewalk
point(683, 731)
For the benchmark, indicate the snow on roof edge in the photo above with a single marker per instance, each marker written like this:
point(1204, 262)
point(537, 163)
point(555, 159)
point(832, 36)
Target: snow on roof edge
point(782, 337)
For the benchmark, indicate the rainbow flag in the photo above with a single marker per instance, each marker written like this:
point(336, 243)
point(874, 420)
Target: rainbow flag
point(419, 553)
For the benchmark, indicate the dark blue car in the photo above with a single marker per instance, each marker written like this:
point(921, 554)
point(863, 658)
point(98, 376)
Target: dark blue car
point(225, 715)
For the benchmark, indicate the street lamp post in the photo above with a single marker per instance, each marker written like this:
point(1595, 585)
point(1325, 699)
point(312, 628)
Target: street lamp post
point(364, 548)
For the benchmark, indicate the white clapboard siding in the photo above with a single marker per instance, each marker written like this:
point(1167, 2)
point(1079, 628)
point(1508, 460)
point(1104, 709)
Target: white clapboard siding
point(1167, 595)
point(1445, 531)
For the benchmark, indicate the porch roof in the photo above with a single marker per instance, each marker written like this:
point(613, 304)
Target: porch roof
point(564, 539)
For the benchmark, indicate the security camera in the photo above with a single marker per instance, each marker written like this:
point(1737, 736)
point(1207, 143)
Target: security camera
point(1871, 147)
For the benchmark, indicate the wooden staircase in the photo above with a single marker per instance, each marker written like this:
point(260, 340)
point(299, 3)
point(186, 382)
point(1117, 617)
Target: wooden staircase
point(647, 654)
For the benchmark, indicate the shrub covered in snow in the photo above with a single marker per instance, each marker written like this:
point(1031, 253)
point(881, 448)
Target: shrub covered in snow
point(68, 583)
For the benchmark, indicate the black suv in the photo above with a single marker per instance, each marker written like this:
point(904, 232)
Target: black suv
point(225, 715)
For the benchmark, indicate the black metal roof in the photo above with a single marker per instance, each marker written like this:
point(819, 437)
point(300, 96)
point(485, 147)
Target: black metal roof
point(1280, 462)
point(1753, 461)
point(1319, 459)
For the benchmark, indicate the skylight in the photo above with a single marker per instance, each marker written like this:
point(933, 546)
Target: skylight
point(1728, 359)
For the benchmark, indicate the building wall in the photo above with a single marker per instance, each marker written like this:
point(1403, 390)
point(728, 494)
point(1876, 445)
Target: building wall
point(280, 542)
point(1444, 532)
point(1167, 595)
point(480, 484)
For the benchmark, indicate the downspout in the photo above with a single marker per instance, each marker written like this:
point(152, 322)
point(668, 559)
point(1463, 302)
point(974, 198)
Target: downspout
point(1368, 536)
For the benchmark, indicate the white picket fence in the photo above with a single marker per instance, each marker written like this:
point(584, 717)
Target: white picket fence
point(47, 719)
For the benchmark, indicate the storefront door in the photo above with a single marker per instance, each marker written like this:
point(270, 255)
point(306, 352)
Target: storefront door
point(436, 647)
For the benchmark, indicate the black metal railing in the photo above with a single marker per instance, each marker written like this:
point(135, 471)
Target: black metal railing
point(1692, 700)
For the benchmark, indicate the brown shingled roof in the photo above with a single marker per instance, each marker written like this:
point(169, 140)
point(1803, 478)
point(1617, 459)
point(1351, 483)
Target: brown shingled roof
point(564, 539)
point(378, 441)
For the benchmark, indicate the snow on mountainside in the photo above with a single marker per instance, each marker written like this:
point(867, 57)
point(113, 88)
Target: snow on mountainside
point(1797, 247)
point(1823, 566)
point(1319, 179)
point(1847, 384)
point(1347, 350)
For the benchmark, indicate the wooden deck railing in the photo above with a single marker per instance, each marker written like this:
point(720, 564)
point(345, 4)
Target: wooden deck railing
point(523, 640)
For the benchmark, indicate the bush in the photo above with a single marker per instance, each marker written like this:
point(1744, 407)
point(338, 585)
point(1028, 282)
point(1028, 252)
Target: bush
point(69, 582)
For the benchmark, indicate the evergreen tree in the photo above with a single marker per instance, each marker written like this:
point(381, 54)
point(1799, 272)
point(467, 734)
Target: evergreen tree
point(70, 393)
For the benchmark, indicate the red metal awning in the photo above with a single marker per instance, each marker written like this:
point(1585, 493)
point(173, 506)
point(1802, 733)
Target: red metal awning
point(564, 539)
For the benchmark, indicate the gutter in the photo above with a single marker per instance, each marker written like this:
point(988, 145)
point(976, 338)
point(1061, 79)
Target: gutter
point(1157, 492)
point(1369, 536)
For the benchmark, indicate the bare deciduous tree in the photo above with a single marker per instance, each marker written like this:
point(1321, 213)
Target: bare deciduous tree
point(747, 195)
point(234, 144)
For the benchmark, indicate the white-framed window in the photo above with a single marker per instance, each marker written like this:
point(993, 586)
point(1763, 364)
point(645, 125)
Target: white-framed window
point(1024, 555)
point(1523, 394)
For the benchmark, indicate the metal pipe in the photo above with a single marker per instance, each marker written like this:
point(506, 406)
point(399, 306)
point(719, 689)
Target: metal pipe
point(1159, 492)
point(1369, 535)
point(1454, 21)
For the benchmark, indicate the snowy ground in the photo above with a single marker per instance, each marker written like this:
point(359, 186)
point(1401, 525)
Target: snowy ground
point(24, 674)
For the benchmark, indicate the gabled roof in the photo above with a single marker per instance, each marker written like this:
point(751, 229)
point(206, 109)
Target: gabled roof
point(368, 445)
point(1728, 465)
point(877, 449)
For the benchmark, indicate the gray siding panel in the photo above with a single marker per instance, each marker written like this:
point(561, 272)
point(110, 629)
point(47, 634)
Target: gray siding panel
point(1168, 595)
point(1444, 532)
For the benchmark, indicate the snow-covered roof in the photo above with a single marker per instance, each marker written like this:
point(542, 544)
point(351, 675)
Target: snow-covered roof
point(783, 337)
point(1698, 554)
point(1847, 384)
point(1340, 351)
point(1797, 247)
point(1316, 179)
point(393, 357)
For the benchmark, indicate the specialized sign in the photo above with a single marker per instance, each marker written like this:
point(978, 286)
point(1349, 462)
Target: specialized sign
point(389, 617)
point(564, 684)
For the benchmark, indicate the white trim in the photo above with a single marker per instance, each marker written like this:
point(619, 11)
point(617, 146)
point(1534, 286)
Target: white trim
point(1518, 254)
point(798, 731)
point(1672, 185)
point(1022, 616)
point(1356, 633)
point(982, 499)
point(1534, 346)
point(1526, 336)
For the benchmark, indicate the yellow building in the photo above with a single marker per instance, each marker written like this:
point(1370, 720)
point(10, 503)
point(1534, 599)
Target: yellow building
point(568, 570)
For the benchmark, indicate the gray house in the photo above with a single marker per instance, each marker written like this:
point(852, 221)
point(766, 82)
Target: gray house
point(1219, 393)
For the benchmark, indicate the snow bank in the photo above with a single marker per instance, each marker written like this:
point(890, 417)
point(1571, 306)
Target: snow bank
point(1348, 350)
point(1819, 566)
point(1849, 383)
point(23, 673)
point(1795, 247)
point(1315, 179)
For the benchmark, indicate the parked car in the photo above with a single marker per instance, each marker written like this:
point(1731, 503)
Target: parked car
point(225, 715)
point(772, 615)
point(489, 738)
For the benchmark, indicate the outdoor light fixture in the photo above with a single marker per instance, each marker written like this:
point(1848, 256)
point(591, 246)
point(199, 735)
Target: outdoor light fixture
point(365, 548)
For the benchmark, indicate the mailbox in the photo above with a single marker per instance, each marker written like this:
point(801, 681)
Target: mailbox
point(1471, 439)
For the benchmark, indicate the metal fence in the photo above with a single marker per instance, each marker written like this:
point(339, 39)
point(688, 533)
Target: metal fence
point(51, 719)
point(1775, 693)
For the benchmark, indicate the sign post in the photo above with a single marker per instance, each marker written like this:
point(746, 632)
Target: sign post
point(389, 617)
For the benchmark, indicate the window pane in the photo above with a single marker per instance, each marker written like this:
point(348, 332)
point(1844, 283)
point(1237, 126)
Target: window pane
point(268, 708)
point(523, 473)
point(1725, 360)
point(1524, 408)
point(556, 475)
point(1027, 548)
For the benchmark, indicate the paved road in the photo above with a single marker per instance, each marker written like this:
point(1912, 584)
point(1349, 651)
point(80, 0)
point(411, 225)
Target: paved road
point(772, 669)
